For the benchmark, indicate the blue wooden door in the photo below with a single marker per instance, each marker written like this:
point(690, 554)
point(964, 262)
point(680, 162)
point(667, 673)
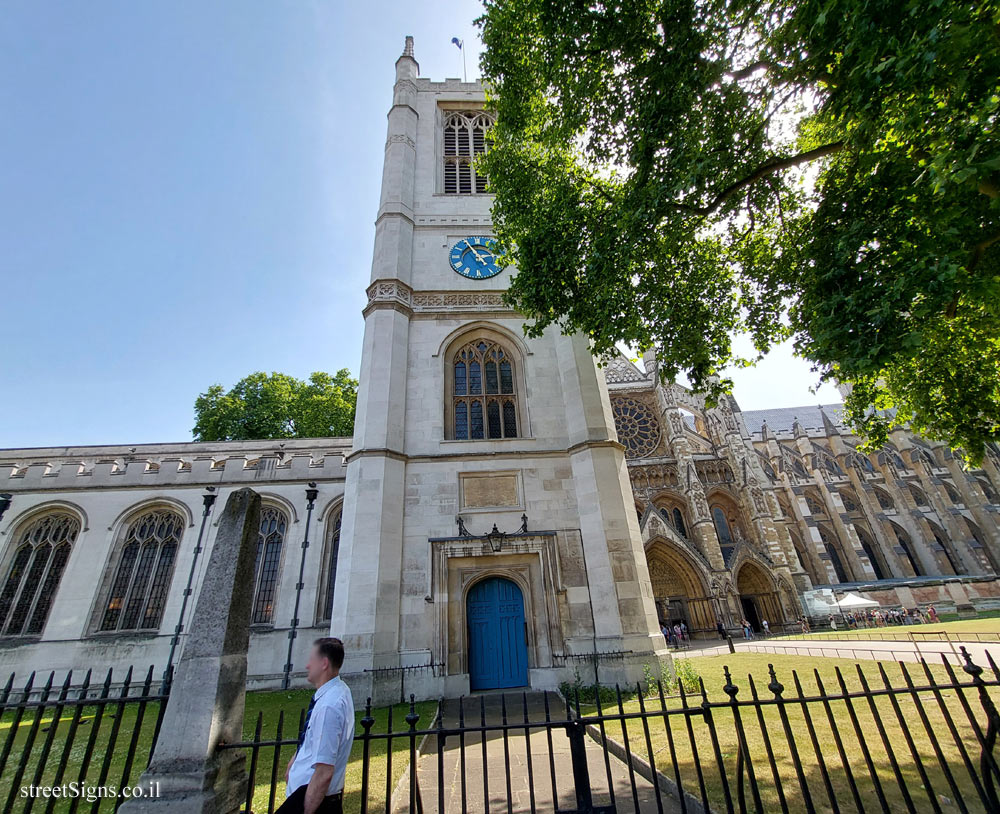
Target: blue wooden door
point(498, 650)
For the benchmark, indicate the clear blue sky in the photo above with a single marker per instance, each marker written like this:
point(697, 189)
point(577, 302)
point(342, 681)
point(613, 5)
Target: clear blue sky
point(187, 195)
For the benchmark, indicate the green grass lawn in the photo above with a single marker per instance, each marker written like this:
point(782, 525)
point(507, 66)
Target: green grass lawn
point(823, 751)
point(131, 736)
point(990, 624)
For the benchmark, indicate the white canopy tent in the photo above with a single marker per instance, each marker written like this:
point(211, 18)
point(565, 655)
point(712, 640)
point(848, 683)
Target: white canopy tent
point(855, 601)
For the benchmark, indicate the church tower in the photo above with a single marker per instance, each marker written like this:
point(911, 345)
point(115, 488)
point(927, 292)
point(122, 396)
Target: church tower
point(465, 428)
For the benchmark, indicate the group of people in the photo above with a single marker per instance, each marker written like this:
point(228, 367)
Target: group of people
point(675, 635)
point(749, 633)
point(885, 617)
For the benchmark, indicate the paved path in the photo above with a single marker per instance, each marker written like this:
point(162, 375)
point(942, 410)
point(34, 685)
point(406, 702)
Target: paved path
point(517, 758)
point(856, 648)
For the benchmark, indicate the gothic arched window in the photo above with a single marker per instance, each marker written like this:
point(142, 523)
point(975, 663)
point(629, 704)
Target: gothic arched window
point(884, 500)
point(330, 570)
point(988, 490)
point(726, 540)
point(679, 523)
point(833, 550)
point(953, 494)
point(142, 577)
point(273, 524)
point(676, 519)
point(35, 570)
point(907, 551)
point(869, 548)
point(918, 496)
point(464, 139)
point(484, 401)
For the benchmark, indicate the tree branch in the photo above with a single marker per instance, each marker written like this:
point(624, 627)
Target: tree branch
point(765, 169)
point(753, 67)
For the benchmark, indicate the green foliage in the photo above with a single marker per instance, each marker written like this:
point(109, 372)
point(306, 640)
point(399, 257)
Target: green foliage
point(277, 406)
point(670, 674)
point(686, 675)
point(671, 173)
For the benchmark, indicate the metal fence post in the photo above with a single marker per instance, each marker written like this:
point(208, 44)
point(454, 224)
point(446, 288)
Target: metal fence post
point(581, 774)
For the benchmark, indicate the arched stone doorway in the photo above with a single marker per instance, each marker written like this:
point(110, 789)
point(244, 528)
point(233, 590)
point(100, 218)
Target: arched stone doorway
point(759, 599)
point(679, 590)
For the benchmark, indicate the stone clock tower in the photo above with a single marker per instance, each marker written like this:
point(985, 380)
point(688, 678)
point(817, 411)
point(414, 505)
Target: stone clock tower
point(463, 427)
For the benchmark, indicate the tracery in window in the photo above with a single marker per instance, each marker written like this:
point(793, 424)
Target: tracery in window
point(675, 517)
point(333, 552)
point(484, 401)
point(273, 523)
point(726, 541)
point(464, 139)
point(638, 429)
point(34, 573)
point(884, 500)
point(833, 549)
point(142, 577)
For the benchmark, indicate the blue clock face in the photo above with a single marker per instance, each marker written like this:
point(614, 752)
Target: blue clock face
point(475, 258)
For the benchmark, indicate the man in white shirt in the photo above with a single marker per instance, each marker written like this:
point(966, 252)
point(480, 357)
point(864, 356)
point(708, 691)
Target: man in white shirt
point(315, 774)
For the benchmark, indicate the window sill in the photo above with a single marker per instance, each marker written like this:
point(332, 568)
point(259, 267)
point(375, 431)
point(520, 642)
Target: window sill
point(124, 634)
point(486, 440)
point(7, 642)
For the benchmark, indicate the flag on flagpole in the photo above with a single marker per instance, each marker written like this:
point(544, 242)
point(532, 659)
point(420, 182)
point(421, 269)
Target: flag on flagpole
point(460, 44)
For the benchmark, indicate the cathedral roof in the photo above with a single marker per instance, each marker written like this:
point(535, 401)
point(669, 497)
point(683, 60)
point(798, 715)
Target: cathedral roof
point(782, 419)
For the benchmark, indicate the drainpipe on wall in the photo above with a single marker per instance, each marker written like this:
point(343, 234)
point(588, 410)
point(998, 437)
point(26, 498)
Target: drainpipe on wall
point(311, 494)
point(209, 501)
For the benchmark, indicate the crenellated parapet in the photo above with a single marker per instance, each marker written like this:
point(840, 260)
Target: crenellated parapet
point(169, 465)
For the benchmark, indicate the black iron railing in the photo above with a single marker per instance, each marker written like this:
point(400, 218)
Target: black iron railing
point(922, 740)
point(887, 737)
point(94, 736)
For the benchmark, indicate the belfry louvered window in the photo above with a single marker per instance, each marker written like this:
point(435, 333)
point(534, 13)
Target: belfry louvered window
point(484, 401)
point(464, 139)
point(34, 573)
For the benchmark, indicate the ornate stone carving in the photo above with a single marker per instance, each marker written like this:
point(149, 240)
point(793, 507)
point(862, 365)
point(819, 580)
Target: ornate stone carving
point(391, 293)
point(651, 478)
point(401, 138)
point(459, 301)
point(620, 370)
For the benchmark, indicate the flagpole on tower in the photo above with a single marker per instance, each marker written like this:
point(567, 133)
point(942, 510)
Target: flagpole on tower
point(461, 47)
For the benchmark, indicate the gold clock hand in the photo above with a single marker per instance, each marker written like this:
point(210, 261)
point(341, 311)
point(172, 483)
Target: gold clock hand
point(479, 257)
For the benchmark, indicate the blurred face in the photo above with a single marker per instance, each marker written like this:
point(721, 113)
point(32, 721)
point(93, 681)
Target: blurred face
point(318, 669)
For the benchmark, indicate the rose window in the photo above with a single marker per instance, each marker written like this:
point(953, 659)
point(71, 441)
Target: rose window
point(638, 429)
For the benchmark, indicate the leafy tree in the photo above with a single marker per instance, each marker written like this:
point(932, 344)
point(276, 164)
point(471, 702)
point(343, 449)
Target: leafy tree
point(671, 173)
point(277, 406)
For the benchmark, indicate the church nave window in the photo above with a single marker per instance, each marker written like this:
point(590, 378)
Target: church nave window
point(331, 557)
point(34, 573)
point(464, 139)
point(269, 543)
point(142, 577)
